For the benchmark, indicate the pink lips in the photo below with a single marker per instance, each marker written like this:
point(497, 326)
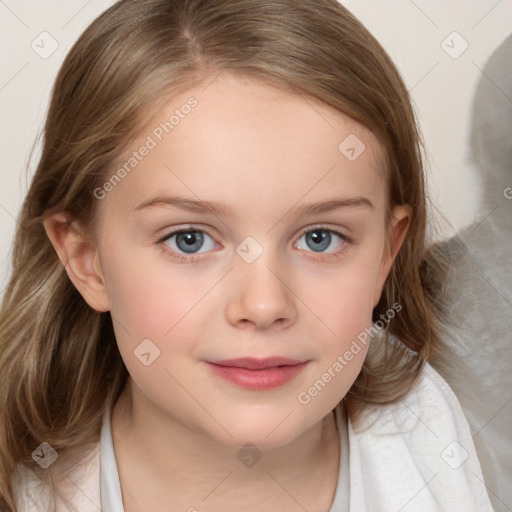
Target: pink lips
point(251, 373)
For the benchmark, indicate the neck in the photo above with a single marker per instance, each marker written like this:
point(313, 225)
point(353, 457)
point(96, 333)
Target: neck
point(177, 464)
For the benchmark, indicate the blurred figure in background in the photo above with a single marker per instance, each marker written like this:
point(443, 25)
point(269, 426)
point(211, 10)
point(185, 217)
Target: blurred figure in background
point(476, 290)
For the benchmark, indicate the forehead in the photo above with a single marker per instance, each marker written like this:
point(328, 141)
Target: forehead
point(246, 143)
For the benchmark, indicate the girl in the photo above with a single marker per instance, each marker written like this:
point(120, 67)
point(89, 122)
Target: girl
point(216, 302)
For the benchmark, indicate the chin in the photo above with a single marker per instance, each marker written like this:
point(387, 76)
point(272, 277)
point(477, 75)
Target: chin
point(266, 431)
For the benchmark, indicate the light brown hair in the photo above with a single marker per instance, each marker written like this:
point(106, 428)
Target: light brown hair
point(59, 362)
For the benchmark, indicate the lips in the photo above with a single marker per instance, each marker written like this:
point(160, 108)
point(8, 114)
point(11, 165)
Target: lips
point(251, 363)
point(257, 374)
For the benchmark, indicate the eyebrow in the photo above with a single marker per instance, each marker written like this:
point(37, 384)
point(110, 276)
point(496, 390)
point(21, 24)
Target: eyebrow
point(220, 209)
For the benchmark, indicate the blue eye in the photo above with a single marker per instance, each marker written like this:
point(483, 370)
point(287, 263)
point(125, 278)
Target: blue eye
point(188, 241)
point(318, 239)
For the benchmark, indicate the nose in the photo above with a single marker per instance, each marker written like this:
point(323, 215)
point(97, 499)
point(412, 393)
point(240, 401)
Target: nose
point(259, 295)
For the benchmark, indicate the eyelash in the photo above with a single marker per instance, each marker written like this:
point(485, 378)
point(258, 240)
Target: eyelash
point(188, 259)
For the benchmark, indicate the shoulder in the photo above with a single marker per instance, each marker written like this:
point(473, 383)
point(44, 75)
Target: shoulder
point(80, 479)
point(417, 453)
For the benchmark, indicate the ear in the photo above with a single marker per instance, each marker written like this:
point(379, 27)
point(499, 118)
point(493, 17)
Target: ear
point(80, 257)
point(400, 220)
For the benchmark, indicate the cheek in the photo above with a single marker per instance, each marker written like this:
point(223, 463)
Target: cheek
point(161, 304)
point(343, 301)
point(343, 297)
point(348, 314)
point(149, 295)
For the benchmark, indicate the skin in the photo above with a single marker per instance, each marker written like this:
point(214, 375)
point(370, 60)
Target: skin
point(177, 427)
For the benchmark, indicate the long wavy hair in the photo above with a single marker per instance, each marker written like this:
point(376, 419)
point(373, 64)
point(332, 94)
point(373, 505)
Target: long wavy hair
point(59, 361)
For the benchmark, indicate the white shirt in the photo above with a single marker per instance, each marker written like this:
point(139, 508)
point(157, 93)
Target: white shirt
point(416, 455)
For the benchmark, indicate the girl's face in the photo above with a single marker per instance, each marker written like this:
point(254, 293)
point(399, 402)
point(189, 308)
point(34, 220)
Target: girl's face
point(280, 202)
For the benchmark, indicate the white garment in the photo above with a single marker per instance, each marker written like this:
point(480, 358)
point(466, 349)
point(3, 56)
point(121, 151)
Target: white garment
point(415, 455)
